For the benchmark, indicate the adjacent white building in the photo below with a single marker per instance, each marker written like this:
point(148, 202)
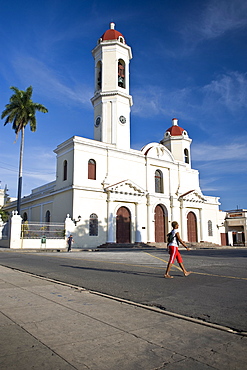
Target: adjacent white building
point(116, 194)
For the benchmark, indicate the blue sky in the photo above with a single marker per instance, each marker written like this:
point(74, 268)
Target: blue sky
point(189, 62)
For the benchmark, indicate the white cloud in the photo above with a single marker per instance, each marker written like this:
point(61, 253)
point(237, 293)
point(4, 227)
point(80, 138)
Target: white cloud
point(48, 82)
point(229, 90)
point(233, 152)
point(226, 94)
point(222, 16)
point(214, 19)
point(155, 101)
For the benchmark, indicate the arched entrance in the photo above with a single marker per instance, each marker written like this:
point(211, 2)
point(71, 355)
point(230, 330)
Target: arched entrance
point(192, 227)
point(160, 222)
point(123, 225)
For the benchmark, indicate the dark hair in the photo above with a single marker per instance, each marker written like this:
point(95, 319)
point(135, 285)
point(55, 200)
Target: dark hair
point(174, 223)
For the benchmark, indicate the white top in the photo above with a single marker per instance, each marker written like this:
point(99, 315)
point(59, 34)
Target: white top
point(174, 242)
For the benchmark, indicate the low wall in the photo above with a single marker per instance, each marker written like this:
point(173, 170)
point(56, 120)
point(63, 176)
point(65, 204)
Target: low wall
point(36, 244)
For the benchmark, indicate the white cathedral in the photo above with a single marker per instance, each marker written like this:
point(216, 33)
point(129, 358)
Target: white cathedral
point(117, 194)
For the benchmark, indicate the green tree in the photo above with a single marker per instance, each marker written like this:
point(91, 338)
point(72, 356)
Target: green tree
point(4, 215)
point(20, 111)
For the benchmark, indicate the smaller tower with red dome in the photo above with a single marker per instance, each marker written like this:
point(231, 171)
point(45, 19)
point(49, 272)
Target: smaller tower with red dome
point(176, 139)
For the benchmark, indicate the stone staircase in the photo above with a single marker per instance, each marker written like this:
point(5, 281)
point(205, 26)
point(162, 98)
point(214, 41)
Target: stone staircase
point(201, 245)
point(123, 245)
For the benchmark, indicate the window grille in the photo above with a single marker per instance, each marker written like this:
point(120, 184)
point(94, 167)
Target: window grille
point(210, 228)
point(159, 182)
point(93, 225)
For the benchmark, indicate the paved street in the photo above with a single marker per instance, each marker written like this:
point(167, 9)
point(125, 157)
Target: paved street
point(49, 326)
point(215, 292)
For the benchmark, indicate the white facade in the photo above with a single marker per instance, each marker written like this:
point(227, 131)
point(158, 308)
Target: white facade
point(123, 195)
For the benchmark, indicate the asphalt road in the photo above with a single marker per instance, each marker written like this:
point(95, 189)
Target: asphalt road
point(214, 292)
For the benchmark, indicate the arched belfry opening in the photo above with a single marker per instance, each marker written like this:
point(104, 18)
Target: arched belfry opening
point(99, 75)
point(121, 73)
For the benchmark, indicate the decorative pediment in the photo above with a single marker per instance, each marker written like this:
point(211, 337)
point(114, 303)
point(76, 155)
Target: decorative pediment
point(126, 187)
point(156, 150)
point(192, 196)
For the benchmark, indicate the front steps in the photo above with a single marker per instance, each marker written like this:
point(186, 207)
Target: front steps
point(200, 245)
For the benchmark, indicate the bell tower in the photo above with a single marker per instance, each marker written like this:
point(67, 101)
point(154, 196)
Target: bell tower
point(111, 100)
point(177, 140)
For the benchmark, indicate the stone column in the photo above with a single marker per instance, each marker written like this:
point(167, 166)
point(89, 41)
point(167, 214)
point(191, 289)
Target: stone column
point(138, 232)
point(149, 220)
point(201, 236)
point(110, 220)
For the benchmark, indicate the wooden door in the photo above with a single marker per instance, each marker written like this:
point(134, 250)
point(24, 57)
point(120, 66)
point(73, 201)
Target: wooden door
point(192, 227)
point(159, 220)
point(224, 239)
point(123, 225)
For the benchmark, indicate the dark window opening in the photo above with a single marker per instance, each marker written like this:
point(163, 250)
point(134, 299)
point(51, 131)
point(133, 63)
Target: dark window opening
point(186, 156)
point(99, 75)
point(24, 217)
point(93, 225)
point(65, 170)
point(48, 216)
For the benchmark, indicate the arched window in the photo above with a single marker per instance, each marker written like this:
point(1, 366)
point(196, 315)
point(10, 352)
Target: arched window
point(186, 156)
point(121, 73)
point(48, 216)
point(159, 182)
point(210, 228)
point(24, 216)
point(99, 76)
point(93, 225)
point(92, 169)
point(65, 170)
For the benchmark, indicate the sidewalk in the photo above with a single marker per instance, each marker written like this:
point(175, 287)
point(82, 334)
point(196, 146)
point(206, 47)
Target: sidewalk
point(45, 325)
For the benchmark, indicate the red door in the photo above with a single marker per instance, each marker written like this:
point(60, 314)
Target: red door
point(159, 220)
point(224, 239)
point(192, 227)
point(123, 225)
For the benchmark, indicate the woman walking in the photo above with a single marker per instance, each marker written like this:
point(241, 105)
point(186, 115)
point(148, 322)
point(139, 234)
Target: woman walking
point(174, 252)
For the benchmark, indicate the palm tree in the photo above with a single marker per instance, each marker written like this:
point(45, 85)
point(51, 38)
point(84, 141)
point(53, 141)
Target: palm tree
point(20, 111)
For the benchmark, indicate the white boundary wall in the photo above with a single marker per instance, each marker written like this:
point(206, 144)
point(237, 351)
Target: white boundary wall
point(14, 240)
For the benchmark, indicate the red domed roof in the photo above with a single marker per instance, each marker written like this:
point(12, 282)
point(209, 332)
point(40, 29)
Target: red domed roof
point(111, 34)
point(175, 130)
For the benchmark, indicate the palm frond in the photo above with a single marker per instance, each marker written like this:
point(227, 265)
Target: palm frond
point(21, 110)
